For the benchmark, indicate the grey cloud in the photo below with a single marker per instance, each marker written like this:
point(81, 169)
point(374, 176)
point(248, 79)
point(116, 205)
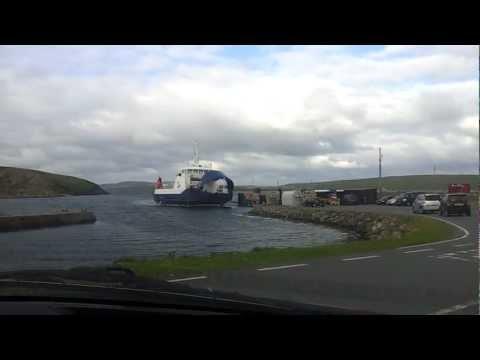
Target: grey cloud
point(41, 117)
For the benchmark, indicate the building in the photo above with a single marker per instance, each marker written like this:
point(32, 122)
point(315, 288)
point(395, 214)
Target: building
point(357, 196)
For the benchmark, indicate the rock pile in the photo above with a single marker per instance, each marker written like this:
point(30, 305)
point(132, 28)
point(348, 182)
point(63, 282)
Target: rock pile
point(365, 225)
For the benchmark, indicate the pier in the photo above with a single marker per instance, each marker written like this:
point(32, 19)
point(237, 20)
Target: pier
point(27, 222)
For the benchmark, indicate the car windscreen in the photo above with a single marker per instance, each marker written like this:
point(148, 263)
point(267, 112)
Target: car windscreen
point(432, 197)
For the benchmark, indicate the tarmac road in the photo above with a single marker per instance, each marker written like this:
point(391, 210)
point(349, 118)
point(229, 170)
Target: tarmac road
point(437, 278)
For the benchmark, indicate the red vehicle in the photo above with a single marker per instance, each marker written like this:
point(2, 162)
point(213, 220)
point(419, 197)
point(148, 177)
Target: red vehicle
point(458, 188)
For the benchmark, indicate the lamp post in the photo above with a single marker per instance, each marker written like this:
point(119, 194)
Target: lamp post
point(380, 156)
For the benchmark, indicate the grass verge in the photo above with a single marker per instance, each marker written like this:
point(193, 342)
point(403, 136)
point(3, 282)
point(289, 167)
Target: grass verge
point(425, 230)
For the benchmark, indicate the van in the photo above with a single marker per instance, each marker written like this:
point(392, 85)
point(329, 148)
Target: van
point(454, 203)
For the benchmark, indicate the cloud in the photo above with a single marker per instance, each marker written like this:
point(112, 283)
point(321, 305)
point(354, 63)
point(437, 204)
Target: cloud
point(287, 113)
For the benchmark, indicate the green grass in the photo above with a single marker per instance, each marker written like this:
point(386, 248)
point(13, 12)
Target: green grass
point(425, 230)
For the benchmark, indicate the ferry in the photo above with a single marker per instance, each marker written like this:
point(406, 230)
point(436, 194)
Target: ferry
point(195, 185)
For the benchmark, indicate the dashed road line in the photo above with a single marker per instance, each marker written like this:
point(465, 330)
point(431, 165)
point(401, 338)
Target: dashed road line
point(454, 308)
point(452, 257)
point(417, 251)
point(281, 267)
point(460, 245)
point(187, 279)
point(361, 258)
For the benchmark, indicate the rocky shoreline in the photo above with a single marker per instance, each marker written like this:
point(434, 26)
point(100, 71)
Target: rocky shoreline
point(364, 225)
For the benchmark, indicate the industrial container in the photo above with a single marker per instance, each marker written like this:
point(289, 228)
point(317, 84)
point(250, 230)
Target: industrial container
point(291, 198)
point(357, 196)
point(458, 188)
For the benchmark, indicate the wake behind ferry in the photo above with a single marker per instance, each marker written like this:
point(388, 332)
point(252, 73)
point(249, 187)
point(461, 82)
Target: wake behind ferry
point(195, 185)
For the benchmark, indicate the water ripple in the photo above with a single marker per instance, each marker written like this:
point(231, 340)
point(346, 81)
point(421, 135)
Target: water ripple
point(135, 226)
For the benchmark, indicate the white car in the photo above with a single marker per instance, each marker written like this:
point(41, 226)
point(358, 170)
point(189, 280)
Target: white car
point(426, 203)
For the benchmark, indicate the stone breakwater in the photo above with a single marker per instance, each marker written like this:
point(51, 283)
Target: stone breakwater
point(25, 222)
point(364, 225)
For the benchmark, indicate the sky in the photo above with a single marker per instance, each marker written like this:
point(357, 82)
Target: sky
point(263, 114)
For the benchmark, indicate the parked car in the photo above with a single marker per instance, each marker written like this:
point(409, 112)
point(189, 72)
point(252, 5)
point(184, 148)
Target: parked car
point(454, 203)
point(394, 200)
point(383, 200)
point(426, 203)
point(407, 198)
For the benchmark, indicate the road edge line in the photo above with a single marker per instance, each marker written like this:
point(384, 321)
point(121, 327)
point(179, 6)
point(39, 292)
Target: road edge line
point(465, 231)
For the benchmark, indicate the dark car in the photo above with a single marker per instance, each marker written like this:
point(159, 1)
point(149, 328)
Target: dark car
point(407, 198)
point(454, 203)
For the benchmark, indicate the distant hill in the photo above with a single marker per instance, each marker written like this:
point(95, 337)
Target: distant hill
point(389, 183)
point(133, 187)
point(17, 182)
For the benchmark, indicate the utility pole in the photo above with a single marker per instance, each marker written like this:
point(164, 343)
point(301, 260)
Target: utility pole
point(434, 169)
point(380, 169)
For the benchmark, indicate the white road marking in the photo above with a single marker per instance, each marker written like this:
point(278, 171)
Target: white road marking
point(452, 257)
point(416, 251)
point(361, 258)
point(281, 267)
point(465, 234)
point(187, 279)
point(454, 308)
point(460, 245)
point(467, 251)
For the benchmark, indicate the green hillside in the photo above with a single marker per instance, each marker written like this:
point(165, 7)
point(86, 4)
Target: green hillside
point(133, 187)
point(389, 183)
point(16, 182)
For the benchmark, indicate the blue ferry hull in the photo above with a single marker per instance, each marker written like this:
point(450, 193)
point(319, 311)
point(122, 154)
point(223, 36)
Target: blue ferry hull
point(193, 197)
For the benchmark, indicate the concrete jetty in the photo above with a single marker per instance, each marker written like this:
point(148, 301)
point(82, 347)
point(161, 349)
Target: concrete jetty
point(26, 222)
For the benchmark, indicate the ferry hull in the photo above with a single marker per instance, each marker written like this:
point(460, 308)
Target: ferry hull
point(193, 197)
